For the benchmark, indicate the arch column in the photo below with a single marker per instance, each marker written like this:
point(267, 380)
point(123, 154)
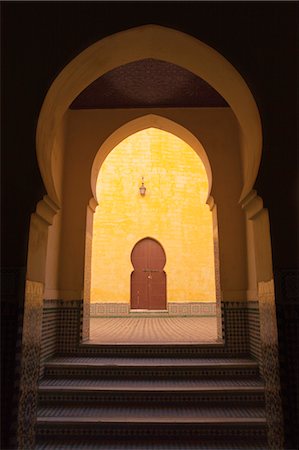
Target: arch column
point(213, 209)
point(32, 321)
point(87, 268)
point(261, 278)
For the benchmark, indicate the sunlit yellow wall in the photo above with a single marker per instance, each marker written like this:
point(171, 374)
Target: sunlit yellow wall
point(173, 211)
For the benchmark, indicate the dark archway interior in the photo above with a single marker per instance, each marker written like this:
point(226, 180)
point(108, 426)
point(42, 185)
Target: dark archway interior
point(259, 39)
point(148, 83)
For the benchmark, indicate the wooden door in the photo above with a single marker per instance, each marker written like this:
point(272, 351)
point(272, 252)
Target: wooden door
point(148, 280)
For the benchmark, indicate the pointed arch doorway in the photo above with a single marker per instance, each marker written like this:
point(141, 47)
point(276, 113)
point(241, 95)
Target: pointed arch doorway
point(148, 280)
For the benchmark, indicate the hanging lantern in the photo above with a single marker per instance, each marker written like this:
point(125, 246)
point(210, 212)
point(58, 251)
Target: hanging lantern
point(142, 188)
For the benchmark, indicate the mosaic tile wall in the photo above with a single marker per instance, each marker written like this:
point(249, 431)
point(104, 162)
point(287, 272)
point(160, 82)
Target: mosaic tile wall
point(70, 327)
point(29, 375)
point(61, 328)
point(235, 327)
point(50, 331)
point(87, 281)
point(174, 309)
point(62, 325)
point(241, 327)
point(253, 324)
point(270, 364)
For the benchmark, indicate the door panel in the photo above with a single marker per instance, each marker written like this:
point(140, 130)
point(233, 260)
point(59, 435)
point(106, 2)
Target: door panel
point(157, 290)
point(148, 281)
point(139, 296)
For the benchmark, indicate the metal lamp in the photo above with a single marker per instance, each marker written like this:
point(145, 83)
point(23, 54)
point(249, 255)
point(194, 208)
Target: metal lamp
point(142, 188)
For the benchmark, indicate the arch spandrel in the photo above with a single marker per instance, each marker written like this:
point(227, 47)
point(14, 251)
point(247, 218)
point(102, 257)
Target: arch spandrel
point(136, 44)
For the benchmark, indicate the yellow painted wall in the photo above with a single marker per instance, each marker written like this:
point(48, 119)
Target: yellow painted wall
point(86, 136)
point(173, 211)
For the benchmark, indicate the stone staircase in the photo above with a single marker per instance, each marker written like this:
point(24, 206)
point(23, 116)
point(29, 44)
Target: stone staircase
point(134, 399)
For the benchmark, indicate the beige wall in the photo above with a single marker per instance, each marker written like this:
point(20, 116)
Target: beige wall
point(52, 261)
point(215, 128)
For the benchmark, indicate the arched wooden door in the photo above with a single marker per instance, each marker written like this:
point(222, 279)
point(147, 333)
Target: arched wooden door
point(148, 280)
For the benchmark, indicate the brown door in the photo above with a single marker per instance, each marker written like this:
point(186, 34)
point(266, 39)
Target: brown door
point(148, 280)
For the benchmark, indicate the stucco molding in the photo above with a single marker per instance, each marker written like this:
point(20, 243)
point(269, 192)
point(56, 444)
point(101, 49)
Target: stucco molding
point(211, 202)
point(252, 205)
point(93, 204)
point(46, 210)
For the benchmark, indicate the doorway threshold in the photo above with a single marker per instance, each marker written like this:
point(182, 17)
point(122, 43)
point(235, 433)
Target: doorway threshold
point(149, 310)
point(148, 313)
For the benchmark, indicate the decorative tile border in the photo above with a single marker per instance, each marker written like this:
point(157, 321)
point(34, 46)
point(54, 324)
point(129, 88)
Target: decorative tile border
point(192, 309)
point(174, 309)
point(109, 309)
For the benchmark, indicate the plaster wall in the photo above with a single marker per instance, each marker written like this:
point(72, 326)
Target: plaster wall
point(217, 130)
point(174, 211)
point(52, 261)
point(57, 157)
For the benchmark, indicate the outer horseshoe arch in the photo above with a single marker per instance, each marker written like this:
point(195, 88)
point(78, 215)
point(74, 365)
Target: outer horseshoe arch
point(148, 41)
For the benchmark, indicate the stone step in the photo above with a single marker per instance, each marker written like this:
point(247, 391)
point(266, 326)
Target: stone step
point(152, 384)
point(152, 423)
point(151, 401)
point(147, 414)
point(68, 390)
point(150, 367)
point(215, 349)
point(87, 443)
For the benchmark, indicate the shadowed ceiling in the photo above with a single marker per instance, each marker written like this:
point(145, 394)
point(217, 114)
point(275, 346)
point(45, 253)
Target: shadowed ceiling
point(148, 83)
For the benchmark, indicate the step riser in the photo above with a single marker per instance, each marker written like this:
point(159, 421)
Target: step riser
point(150, 373)
point(230, 399)
point(87, 443)
point(165, 431)
point(158, 351)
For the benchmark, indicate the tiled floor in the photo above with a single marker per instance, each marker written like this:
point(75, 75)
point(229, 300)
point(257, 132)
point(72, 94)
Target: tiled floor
point(153, 330)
